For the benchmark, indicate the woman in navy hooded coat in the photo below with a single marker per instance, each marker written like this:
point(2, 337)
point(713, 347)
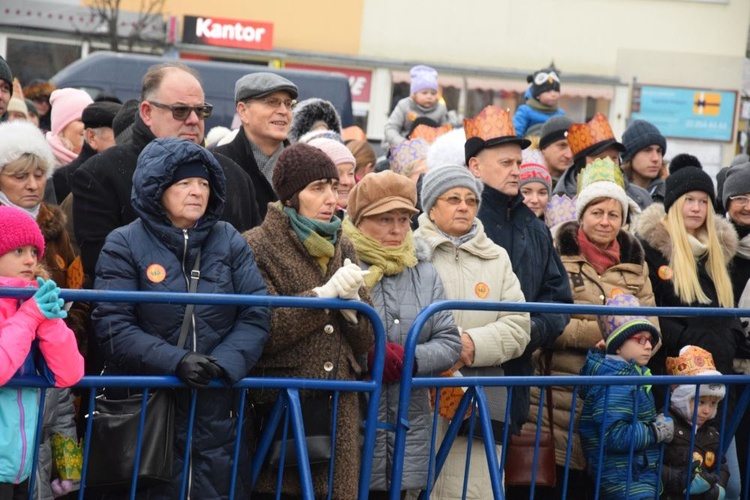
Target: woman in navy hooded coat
point(178, 193)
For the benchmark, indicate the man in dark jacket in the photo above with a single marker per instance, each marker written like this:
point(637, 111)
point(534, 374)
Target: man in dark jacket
point(97, 137)
point(589, 141)
point(172, 105)
point(493, 154)
point(264, 104)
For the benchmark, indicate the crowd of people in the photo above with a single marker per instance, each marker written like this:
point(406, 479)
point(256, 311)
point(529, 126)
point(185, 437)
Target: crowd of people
point(529, 206)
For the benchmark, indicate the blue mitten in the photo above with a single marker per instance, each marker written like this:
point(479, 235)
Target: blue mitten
point(48, 301)
point(699, 485)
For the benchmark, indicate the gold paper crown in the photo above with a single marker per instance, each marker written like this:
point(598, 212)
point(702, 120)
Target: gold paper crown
point(491, 123)
point(585, 135)
point(428, 133)
point(601, 169)
point(693, 361)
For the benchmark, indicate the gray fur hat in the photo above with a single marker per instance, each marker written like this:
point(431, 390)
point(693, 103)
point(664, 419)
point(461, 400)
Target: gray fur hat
point(311, 111)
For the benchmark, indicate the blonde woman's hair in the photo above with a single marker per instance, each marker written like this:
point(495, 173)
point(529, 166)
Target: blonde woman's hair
point(683, 263)
point(26, 163)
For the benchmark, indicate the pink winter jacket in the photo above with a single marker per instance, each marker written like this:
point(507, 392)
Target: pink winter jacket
point(19, 326)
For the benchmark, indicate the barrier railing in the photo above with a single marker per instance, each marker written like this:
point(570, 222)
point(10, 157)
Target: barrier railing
point(475, 397)
point(288, 387)
point(474, 401)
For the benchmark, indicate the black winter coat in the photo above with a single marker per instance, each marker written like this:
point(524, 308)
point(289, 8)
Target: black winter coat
point(102, 190)
point(240, 152)
point(513, 226)
point(63, 176)
point(142, 338)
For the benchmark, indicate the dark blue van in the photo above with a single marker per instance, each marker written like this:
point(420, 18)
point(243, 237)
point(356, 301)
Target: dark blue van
point(120, 74)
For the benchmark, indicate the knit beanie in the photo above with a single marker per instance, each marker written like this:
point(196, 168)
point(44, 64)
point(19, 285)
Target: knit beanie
point(686, 174)
point(423, 77)
point(337, 152)
point(603, 179)
point(533, 169)
point(6, 74)
point(188, 170)
point(67, 106)
point(692, 361)
point(640, 135)
point(299, 165)
point(23, 137)
point(617, 329)
point(19, 229)
point(19, 106)
point(31, 108)
point(737, 182)
point(544, 80)
point(439, 180)
point(379, 193)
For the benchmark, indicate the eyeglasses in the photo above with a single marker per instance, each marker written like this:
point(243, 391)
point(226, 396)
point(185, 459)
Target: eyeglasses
point(642, 339)
point(40, 98)
point(456, 200)
point(275, 102)
point(742, 200)
point(181, 112)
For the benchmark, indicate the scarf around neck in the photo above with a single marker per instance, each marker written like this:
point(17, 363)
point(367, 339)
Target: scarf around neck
point(538, 106)
point(600, 259)
point(697, 245)
point(316, 236)
point(33, 212)
point(459, 240)
point(384, 261)
point(62, 154)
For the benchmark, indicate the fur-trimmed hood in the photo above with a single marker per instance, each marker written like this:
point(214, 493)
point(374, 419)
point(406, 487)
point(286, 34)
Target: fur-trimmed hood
point(310, 111)
point(649, 228)
point(566, 241)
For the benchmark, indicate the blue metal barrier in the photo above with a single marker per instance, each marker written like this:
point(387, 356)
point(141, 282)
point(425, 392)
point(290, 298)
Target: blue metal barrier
point(288, 386)
point(475, 399)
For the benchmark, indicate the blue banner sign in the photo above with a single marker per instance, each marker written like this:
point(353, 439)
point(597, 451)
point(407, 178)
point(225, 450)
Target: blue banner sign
point(687, 113)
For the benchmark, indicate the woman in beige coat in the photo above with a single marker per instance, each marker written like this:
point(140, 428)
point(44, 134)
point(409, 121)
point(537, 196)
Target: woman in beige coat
point(471, 267)
point(602, 260)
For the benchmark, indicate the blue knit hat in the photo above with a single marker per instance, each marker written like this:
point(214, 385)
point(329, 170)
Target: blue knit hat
point(639, 135)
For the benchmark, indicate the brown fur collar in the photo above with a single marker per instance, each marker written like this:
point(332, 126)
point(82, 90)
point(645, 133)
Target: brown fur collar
point(650, 229)
point(631, 251)
point(51, 221)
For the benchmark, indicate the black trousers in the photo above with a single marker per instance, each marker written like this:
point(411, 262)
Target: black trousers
point(10, 491)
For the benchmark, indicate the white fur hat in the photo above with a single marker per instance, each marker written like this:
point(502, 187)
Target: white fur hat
point(448, 149)
point(22, 137)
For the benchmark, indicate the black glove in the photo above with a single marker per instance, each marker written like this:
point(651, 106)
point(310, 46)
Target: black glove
point(197, 370)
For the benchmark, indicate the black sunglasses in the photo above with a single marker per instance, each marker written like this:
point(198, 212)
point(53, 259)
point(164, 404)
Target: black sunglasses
point(181, 112)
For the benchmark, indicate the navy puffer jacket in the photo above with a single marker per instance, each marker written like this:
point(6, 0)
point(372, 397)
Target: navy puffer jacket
point(151, 254)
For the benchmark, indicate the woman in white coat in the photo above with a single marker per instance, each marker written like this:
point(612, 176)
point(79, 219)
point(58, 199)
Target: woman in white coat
point(471, 267)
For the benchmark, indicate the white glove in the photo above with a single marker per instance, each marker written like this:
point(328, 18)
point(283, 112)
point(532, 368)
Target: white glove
point(344, 284)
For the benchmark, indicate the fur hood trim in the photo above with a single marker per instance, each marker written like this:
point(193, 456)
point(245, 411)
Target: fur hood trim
point(566, 241)
point(650, 229)
point(310, 111)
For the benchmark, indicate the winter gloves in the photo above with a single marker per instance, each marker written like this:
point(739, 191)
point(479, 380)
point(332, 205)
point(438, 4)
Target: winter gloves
point(663, 428)
point(344, 284)
point(197, 370)
point(60, 487)
point(48, 301)
point(394, 362)
point(704, 483)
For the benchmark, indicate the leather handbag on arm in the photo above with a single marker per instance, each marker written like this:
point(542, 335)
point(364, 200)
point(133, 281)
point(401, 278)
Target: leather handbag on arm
point(519, 457)
point(116, 423)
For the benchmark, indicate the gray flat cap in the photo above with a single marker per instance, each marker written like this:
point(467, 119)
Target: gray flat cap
point(259, 84)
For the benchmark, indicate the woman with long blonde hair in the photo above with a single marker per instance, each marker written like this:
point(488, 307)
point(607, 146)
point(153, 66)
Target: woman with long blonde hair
point(687, 249)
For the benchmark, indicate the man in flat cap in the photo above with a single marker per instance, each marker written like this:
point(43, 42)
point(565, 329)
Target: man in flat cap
point(264, 104)
point(172, 104)
point(97, 136)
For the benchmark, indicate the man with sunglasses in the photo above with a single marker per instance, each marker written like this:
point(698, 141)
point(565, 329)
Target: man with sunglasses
point(172, 105)
point(264, 104)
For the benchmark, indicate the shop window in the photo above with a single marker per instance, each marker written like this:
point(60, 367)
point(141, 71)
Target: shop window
point(30, 59)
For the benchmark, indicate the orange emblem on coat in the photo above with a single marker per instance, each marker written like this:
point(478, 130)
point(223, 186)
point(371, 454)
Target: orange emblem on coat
point(481, 290)
point(156, 273)
point(665, 273)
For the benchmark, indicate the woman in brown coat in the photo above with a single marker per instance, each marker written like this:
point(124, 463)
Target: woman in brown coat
point(301, 252)
point(602, 260)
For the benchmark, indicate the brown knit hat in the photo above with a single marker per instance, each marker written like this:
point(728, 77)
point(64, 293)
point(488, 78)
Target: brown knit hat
point(380, 193)
point(299, 165)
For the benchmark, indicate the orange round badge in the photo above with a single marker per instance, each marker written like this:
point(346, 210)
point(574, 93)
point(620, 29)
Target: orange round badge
point(481, 290)
point(411, 116)
point(665, 273)
point(156, 273)
point(710, 459)
point(615, 292)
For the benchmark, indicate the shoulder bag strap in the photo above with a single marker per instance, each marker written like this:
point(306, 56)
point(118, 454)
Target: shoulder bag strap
point(548, 371)
point(195, 275)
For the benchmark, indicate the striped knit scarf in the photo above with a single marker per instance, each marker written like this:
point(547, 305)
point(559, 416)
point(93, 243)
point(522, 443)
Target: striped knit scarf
point(316, 236)
point(384, 261)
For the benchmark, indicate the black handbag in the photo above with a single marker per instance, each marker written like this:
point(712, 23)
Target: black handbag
point(116, 424)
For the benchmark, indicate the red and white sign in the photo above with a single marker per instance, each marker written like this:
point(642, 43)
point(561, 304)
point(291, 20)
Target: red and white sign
point(233, 33)
point(359, 79)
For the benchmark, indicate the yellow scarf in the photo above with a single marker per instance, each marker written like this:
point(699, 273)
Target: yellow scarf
point(384, 261)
